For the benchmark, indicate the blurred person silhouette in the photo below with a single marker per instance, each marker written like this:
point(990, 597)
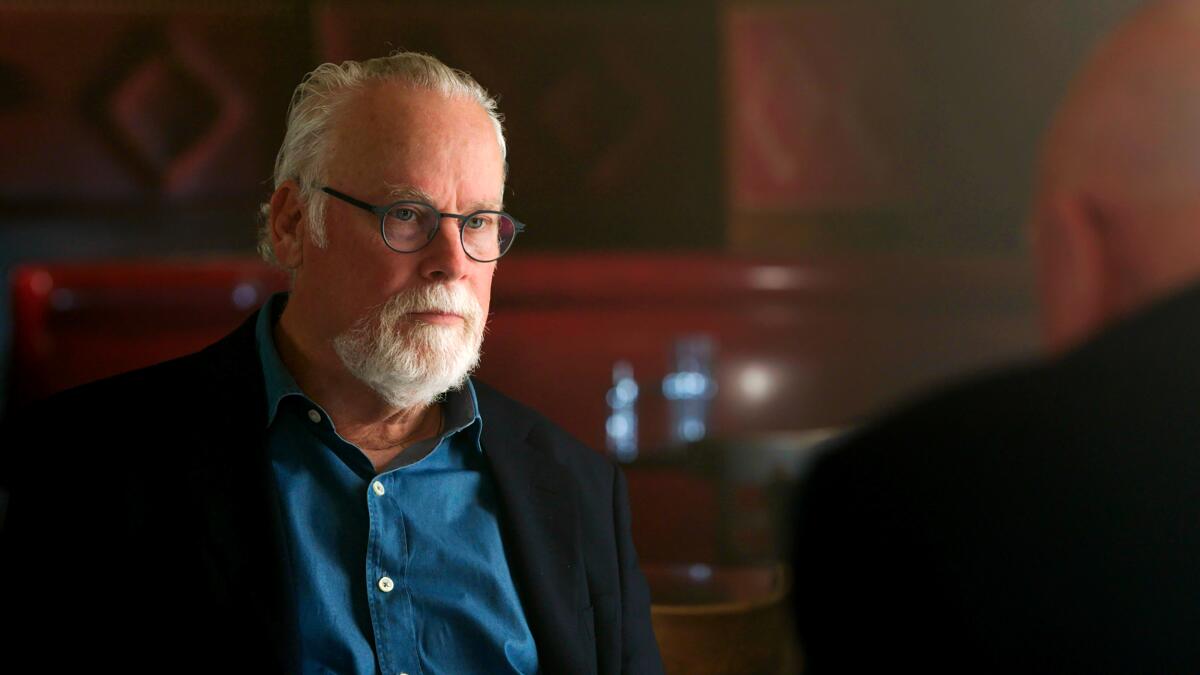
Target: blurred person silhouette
point(1046, 518)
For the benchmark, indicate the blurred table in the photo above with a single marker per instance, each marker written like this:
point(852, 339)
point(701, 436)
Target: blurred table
point(723, 620)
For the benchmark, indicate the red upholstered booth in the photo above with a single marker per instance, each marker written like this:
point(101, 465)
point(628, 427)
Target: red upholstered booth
point(799, 345)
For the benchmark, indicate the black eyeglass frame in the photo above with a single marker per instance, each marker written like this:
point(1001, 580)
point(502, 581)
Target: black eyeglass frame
point(382, 211)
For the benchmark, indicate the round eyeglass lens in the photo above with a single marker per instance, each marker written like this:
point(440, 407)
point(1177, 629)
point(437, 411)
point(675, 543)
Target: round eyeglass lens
point(487, 235)
point(408, 225)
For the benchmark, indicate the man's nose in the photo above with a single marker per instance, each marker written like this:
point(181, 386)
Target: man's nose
point(444, 258)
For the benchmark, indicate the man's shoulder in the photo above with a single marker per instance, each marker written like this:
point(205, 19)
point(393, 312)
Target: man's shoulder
point(984, 404)
point(955, 438)
point(148, 384)
point(1129, 387)
point(1124, 380)
point(172, 403)
point(990, 497)
point(164, 383)
point(927, 472)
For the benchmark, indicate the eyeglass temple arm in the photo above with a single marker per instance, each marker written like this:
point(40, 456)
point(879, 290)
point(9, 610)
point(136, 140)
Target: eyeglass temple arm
point(377, 210)
point(380, 210)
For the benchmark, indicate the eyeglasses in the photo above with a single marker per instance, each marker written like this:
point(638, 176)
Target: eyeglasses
point(408, 226)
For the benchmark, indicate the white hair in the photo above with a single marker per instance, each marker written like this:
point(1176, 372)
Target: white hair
point(302, 156)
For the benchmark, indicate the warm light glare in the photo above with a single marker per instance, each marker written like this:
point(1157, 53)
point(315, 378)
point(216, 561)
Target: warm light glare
point(773, 278)
point(756, 382)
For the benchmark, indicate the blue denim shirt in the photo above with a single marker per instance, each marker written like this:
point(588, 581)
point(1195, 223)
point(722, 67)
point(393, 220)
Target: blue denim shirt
point(400, 572)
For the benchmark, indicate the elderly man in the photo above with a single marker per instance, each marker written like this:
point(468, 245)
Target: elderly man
point(1047, 518)
point(325, 490)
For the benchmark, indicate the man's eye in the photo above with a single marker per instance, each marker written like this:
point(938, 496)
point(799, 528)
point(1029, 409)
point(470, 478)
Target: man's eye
point(404, 214)
point(479, 222)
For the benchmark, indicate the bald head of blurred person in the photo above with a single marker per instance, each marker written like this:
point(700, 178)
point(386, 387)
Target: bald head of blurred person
point(1045, 517)
point(1116, 218)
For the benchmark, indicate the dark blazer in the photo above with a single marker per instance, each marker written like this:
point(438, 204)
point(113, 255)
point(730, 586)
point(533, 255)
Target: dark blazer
point(144, 528)
point(1041, 519)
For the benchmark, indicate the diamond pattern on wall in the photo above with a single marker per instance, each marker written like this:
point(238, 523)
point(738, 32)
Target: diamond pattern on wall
point(166, 108)
point(162, 109)
point(103, 109)
point(820, 112)
point(576, 112)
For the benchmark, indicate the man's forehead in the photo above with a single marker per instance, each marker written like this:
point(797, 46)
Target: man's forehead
point(402, 191)
point(395, 114)
point(408, 135)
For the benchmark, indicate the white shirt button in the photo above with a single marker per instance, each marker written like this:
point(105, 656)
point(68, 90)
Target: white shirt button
point(386, 584)
point(378, 488)
point(314, 416)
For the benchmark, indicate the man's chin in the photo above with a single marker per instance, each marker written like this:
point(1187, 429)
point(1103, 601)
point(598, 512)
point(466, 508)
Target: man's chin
point(406, 389)
point(416, 397)
point(416, 363)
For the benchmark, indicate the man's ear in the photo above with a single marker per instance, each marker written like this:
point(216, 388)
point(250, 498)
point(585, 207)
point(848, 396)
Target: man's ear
point(1075, 277)
point(287, 225)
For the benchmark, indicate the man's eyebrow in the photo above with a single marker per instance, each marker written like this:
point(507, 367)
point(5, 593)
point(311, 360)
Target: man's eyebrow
point(417, 194)
point(409, 192)
point(486, 205)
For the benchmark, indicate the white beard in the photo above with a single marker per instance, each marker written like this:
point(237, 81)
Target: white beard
point(411, 363)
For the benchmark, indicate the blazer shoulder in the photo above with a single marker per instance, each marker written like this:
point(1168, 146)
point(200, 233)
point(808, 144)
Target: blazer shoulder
point(992, 410)
point(223, 374)
point(192, 401)
point(152, 386)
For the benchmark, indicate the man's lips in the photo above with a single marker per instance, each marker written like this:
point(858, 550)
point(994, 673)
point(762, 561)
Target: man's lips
point(434, 317)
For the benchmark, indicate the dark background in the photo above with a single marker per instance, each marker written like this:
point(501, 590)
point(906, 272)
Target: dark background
point(842, 129)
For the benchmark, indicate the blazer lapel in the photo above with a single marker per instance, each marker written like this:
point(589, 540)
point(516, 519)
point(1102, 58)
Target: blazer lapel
point(539, 522)
point(251, 562)
point(238, 496)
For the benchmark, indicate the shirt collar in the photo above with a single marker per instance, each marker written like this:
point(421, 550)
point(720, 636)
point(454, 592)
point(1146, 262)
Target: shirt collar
point(278, 380)
point(460, 406)
point(462, 413)
point(461, 409)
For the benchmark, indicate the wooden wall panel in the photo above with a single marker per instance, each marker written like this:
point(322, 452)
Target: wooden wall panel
point(611, 110)
point(800, 344)
point(820, 107)
point(132, 106)
point(822, 119)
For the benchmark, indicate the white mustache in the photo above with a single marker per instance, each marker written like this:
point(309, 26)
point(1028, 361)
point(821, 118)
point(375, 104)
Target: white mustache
point(437, 298)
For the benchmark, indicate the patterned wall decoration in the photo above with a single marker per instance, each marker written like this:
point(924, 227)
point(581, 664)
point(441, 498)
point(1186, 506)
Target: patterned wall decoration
point(611, 110)
point(125, 107)
point(821, 112)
